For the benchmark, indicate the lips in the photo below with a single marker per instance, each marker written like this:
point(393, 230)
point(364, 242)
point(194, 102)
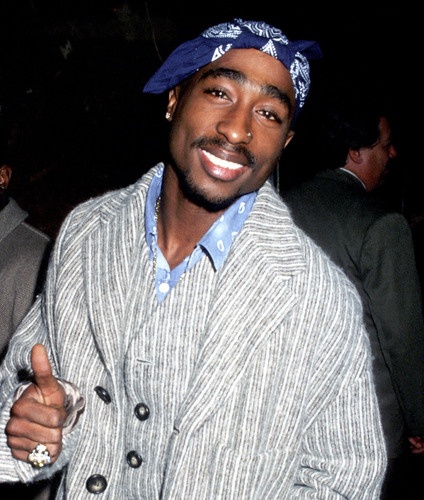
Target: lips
point(221, 169)
point(219, 162)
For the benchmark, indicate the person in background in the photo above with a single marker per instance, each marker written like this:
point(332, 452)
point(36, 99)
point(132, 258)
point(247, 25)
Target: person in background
point(342, 209)
point(24, 252)
point(191, 341)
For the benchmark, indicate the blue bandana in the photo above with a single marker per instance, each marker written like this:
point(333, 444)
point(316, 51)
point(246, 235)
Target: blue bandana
point(190, 56)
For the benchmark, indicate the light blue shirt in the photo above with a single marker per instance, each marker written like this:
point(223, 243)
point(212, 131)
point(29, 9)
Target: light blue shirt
point(215, 243)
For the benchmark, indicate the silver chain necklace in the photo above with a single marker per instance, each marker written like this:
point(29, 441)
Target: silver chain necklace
point(155, 254)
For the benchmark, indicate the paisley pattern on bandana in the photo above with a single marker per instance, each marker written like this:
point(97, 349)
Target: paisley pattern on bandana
point(214, 42)
point(234, 30)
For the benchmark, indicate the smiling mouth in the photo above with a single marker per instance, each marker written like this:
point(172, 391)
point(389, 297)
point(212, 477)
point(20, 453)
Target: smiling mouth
point(228, 165)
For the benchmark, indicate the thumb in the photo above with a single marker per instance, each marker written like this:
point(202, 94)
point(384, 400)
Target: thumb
point(50, 389)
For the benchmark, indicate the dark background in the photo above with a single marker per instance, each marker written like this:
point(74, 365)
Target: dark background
point(71, 75)
point(72, 71)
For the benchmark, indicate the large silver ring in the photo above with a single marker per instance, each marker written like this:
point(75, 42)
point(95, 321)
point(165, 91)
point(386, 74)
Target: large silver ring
point(39, 456)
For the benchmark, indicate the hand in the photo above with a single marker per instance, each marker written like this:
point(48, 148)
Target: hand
point(416, 445)
point(39, 414)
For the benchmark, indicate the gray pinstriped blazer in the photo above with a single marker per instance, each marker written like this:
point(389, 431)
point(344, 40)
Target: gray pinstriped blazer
point(257, 377)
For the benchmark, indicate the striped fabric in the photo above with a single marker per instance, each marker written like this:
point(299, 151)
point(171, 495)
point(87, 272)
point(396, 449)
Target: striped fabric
point(257, 377)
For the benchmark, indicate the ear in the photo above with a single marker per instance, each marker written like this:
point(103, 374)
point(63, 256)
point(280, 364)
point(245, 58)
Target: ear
point(5, 175)
point(355, 155)
point(289, 137)
point(172, 101)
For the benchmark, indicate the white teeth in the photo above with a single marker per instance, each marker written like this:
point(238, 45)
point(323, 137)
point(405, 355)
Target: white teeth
point(222, 163)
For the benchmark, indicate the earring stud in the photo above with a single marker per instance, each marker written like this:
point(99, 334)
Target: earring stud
point(249, 134)
point(168, 116)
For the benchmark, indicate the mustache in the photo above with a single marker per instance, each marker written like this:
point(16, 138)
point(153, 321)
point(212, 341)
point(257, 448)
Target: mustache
point(240, 149)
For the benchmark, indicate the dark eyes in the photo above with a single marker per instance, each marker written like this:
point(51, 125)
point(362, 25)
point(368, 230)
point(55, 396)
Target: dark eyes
point(268, 114)
point(220, 94)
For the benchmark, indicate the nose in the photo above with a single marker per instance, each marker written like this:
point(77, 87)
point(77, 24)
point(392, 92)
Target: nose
point(236, 127)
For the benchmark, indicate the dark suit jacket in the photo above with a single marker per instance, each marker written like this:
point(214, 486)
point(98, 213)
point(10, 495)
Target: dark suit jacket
point(374, 247)
point(24, 252)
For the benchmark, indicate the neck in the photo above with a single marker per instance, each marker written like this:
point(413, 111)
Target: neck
point(181, 224)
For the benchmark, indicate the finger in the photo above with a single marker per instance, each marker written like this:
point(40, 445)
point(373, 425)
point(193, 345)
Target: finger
point(48, 385)
point(23, 430)
point(23, 437)
point(21, 452)
point(417, 451)
point(29, 410)
point(416, 441)
point(23, 446)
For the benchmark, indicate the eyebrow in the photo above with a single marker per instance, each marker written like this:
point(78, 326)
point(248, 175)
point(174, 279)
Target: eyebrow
point(240, 77)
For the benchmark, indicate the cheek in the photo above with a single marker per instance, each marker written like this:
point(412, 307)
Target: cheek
point(180, 128)
point(265, 170)
point(181, 140)
point(187, 124)
point(270, 150)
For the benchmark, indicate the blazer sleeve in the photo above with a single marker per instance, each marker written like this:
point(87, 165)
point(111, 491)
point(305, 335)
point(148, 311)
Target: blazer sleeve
point(391, 282)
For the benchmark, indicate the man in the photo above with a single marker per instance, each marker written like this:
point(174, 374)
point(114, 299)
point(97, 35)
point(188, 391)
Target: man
point(340, 210)
point(203, 347)
point(24, 252)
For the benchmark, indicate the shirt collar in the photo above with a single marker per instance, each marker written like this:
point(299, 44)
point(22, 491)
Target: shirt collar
point(217, 241)
point(353, 175)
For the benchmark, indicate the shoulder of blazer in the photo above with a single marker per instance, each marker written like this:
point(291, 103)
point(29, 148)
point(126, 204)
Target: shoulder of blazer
point(270, 235)
point(90, 215)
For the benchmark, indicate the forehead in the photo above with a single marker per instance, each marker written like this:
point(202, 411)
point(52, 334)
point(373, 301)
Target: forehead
point(384, 126)
point(256, 67)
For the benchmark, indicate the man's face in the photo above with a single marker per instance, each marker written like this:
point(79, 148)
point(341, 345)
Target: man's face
point(379, 156)
point(230, 123)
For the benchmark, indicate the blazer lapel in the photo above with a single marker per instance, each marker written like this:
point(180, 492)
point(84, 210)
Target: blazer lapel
point(113, 255)
point(240, 322)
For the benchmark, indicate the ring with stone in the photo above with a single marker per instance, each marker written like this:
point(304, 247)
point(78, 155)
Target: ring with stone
point(39, 456)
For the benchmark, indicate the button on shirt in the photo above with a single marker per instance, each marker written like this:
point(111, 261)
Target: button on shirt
point(215, 243)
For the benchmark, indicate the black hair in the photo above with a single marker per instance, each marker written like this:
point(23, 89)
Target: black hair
point(350, 121)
